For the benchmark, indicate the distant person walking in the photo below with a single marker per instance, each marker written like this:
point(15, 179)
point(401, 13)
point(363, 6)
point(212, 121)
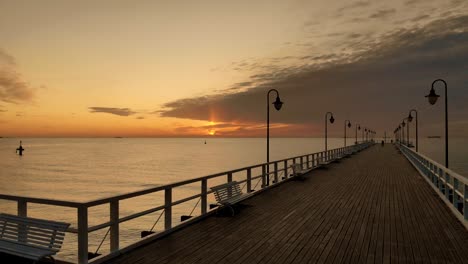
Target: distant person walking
point(20, 149)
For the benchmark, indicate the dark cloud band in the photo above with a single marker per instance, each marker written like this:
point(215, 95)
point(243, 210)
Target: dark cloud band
point(112, 110)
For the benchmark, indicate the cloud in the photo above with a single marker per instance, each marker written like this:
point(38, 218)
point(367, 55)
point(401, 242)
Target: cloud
point(367, 86)
point(414, 2)
point(112, 110)
point(140, 117)
point(419, 18)
point(383, 14)
point(13, 88)
point(355, 5)
point(6, 58)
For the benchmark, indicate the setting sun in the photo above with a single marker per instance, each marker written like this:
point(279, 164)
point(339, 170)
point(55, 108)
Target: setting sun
point(211, 132)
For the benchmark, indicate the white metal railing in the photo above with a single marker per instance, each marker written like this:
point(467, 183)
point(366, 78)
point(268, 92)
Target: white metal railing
point(83, 228)
point(451, 186)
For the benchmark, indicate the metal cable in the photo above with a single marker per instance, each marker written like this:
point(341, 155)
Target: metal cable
point(195, 207)
point(157, 220)
point(102, 241)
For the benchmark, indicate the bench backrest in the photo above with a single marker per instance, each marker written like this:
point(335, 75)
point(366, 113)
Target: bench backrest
point(296, 167)
point(43, 234)
point(226, 191)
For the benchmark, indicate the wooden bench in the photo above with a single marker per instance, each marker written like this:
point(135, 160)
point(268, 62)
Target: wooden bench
point(298, 171)
point(30, 238)
point(229, 194)
point(322, 162)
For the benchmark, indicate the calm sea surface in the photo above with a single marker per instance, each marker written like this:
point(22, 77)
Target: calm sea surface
point(87, 169)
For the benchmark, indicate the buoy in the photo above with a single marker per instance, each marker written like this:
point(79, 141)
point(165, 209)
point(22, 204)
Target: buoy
point(20, 149)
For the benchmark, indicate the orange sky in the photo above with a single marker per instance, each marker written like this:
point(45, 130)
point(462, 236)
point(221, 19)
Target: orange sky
point(112, 68)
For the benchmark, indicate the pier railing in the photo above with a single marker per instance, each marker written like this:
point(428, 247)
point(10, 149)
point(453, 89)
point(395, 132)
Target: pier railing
point(276, 169)
point(451, 186)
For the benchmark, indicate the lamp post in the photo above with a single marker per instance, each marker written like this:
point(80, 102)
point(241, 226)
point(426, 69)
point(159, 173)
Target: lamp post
point(403, 124)
point(346, 123)
point(432, 97)
point(399, 134)
point(332, 119)
point(410, 118)
point(358, 127)
point(278, 104)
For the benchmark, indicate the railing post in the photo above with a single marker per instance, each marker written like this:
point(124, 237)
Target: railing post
point(308, 161)
point(249, 180)
point(440, 177)
point(114, 225)
point(286, 169)
point(276, 171)
point(302, 162)
point(465, 202)
point(22, 211)
point(167, 208)
point(204, 196)
point(82, 235)
point(447, 188)
point(229, 179)
point(264, 176)
point(455, 188)
point(22, 208)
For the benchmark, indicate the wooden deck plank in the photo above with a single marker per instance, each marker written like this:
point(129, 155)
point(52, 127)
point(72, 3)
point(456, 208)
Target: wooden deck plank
point(373, 207)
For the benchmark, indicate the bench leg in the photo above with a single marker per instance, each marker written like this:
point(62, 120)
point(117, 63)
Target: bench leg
point(233, 211)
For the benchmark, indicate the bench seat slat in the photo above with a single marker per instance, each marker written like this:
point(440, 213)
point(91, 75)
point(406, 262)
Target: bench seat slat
point(23, 250)
point(33, 242)
point(36, 233)
point(30, 239)
point(32, 246)
point(41, 228)
point(38, 236)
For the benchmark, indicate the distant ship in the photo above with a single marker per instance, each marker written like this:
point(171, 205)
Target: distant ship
point(433, 137)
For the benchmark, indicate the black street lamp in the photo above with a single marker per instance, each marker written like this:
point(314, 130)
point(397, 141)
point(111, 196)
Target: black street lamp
point(358, 127)
point(399, 134)
point(346, 123)
point(332, 119)
point(278, 104)
point(410, 119)
point(432, 97)
point(403, 124)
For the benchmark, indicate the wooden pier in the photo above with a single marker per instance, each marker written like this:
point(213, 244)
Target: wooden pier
point(372, 208)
